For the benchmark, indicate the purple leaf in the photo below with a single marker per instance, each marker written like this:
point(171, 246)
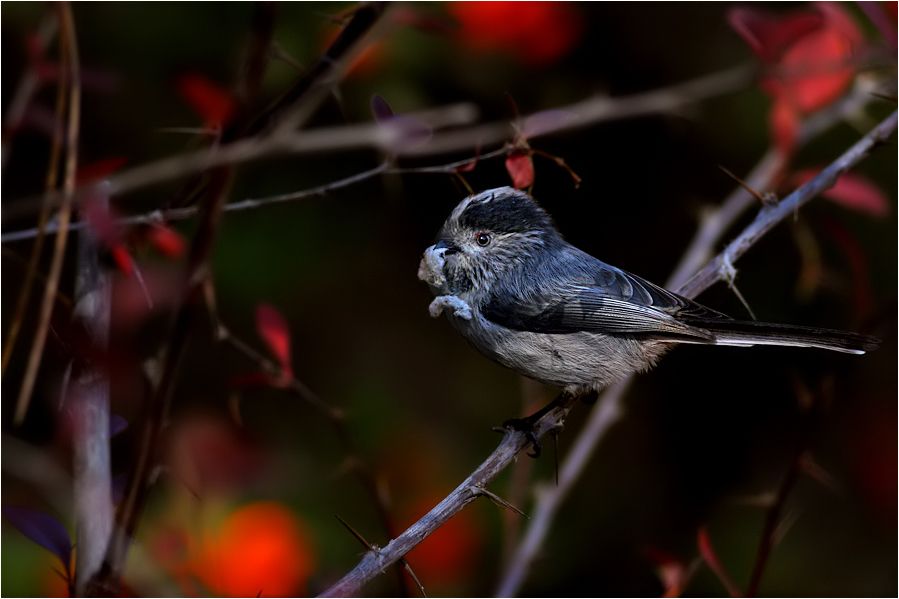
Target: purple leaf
point(43, 529)
point(116, 424)
point(381, 109)
point(119, 485)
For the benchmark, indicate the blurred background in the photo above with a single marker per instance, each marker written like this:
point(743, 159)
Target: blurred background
point(253, 476)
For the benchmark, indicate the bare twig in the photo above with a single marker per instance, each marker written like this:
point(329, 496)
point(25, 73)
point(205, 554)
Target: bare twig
point(70, 56)
point(372, 564)
point(186, 212)
point(715, 223)
point(606, 413)
point(27, 88)
point(771, 215)
point(50, 182)
point(392, 139)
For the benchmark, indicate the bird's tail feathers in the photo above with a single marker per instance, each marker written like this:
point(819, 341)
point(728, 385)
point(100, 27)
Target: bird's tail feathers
point(742, 333)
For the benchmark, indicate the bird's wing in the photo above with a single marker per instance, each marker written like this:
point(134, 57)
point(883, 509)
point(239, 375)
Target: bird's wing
point(598, 298)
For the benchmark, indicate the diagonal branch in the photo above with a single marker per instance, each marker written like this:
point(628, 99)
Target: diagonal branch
point(373, 563)
point(608, 408)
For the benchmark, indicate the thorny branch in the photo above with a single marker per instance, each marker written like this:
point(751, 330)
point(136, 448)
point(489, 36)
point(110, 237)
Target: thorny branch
point(374, 562)
point(609, 409)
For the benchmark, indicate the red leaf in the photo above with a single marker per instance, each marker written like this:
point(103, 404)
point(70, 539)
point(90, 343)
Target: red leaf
point(708, 554)
point(99, 169)
point(122, 259)
point(521, 168)
point(853, 192)
point(672, 572)
point(784, 124)
point(770, 35)
point(166, 241)
point(211, 102)
point(810, 54)
point(273, 329)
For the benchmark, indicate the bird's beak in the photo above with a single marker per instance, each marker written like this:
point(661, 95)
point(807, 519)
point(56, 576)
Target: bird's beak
point(448, 247)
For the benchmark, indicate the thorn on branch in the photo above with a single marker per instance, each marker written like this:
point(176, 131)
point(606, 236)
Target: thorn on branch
point(480, 490)
point(766, 198)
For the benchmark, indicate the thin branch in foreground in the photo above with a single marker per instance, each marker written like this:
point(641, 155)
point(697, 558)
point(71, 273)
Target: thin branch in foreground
point(73, 69)
point(50, 182)
point(372, 564)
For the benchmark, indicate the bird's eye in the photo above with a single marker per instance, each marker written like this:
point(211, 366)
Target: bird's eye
point(483, 239)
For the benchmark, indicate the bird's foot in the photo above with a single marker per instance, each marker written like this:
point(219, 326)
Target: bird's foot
point(525, 426)
point(457, 306)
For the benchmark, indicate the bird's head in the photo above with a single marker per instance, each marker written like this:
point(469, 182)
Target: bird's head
point(486, 234)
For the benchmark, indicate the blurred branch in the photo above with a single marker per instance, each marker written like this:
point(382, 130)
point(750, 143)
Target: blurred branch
point(210, 209)
point(89, 407)
point(50, 182)
point(714, 223)
point(353, 460)
point(28, 86)
point(186, 212)
point(373, 563)
point(608, 409)
point(721, 268)
point(391, 139)
point(72, 69)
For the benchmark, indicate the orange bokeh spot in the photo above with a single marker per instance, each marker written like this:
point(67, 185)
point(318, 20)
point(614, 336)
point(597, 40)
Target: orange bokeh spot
point(449, 554)
point(259, 549)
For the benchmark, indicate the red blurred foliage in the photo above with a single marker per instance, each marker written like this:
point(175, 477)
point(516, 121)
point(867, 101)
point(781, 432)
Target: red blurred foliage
point(260, 549)
point(711, 559)
point(872, 450)
point(210, 455)
point(99, 169)
point(809, 56)
point(534, 33)
point(211, 102)
point(273, 329)
point(672, 571)
point(860, 288)
point(520, 166)
point(367, 62)
point(103, 222)
point(851, 191)
point(167, 241)
point(451, 553)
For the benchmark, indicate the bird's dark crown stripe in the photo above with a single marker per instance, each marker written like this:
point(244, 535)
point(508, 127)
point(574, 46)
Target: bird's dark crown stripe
point(511, 214)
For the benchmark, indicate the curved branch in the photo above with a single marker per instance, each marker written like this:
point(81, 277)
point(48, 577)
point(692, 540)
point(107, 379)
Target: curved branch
point(373, 563)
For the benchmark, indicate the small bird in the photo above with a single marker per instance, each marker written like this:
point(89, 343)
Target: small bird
point(533, 302)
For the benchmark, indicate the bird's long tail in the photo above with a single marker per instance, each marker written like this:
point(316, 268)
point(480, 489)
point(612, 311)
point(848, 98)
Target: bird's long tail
point(743, 333)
